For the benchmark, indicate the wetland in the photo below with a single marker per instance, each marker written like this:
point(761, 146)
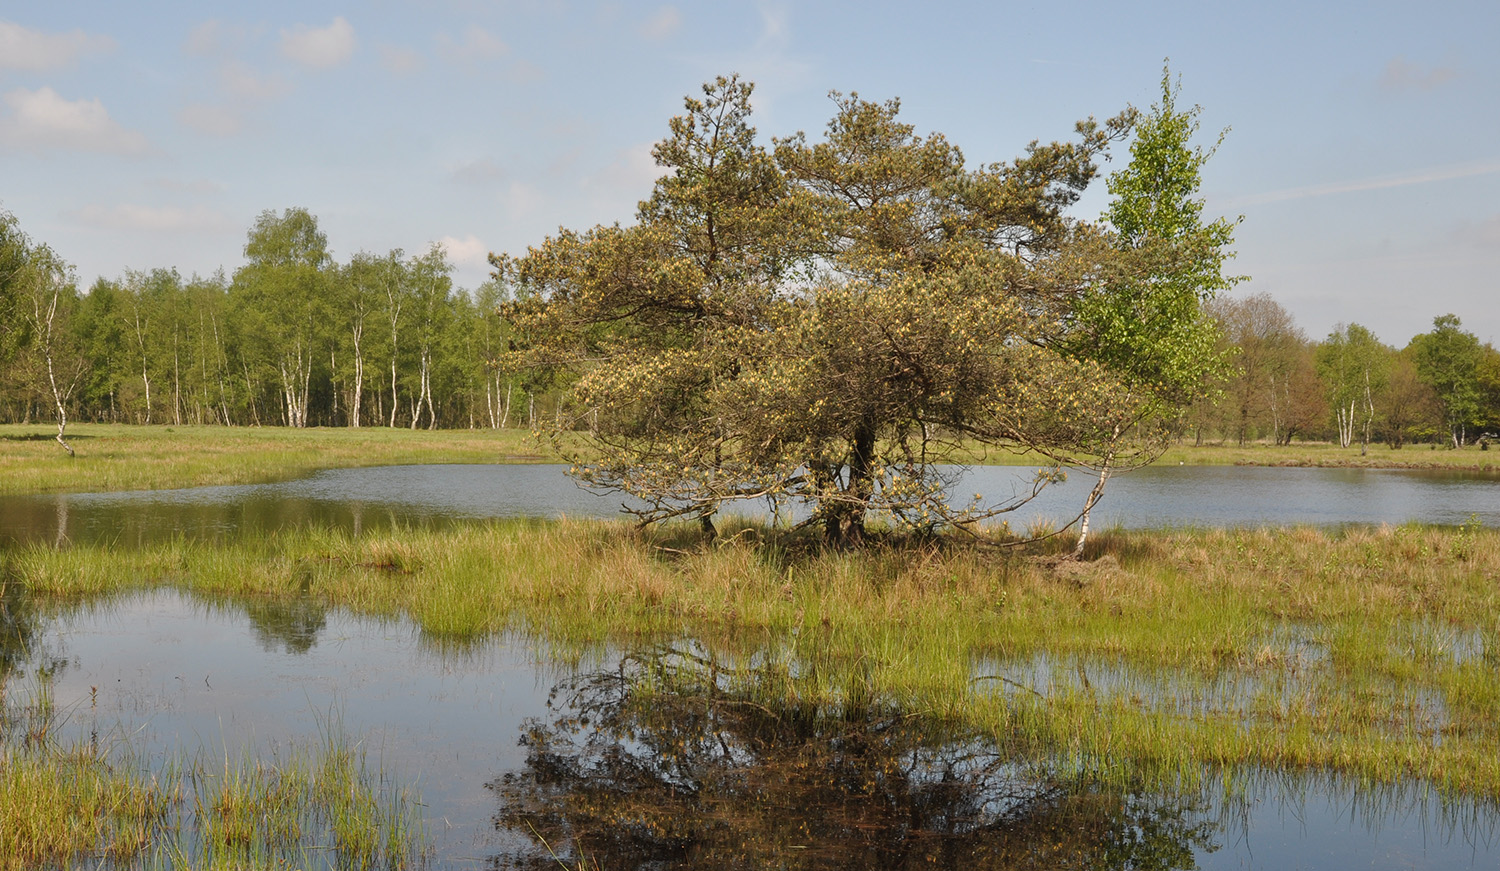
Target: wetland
point(500, 681)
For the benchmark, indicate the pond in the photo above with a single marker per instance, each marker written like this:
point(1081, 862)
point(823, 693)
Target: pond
point(375, 498)
point(509, 742)
point(500, 759)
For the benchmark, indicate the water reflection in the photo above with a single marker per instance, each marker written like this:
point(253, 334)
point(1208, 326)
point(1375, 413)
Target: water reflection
point(639, 767)
point(18, 627)
point(375, 499)
point(665, 757)
point(287, 627)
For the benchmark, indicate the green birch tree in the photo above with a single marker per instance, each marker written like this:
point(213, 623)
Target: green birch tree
point(1144, 324)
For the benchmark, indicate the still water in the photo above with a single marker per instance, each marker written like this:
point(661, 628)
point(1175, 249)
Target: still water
point(176, 676)
point(375, 498)
point(498, 756)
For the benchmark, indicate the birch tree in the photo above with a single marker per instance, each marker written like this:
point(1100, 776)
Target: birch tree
point(284, 281)
point(50, 297)
point(1448, 360)
point(1145, 326)
point(1353, 366)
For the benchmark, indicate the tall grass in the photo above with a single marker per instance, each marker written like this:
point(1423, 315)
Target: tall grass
point(1370, 652)
point(83, 804)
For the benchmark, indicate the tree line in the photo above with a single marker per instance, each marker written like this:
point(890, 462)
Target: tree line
point(292, 338)
point(295, 338)
point(1442, 387)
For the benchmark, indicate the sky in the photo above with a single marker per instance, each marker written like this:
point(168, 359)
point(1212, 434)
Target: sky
point(1362, 151)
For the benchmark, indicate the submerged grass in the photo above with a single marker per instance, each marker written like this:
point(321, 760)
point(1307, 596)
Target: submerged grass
point(77, 804)
point(1370, 653)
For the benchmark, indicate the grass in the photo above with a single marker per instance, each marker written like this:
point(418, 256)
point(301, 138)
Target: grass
point(120, 457)
point(1325, 454)
point(1373, 654)
point(71, 804)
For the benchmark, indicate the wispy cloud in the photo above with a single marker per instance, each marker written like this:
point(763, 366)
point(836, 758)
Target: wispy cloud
point(320, 47)
point(626, 179)
point(43, 120)
point(476, 44)
point(1484, 234)
point(1402, 75)
point(193, 186)
point(22, 48)
point(241, 81)
point(213, 37)
point(477, 172)
point(1422, 176)
point(210, 119)
point(400, 60)
point(664, 23)
point(152, 219)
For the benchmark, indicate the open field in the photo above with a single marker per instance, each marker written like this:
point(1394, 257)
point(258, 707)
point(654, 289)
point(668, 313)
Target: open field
point(1370, 654)
point(124, 457)
point(1328, 454)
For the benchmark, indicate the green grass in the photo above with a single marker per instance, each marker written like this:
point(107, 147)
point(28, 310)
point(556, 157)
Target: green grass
point(1373, 654)
point(119, 457)
point(1329, 455)
point(124, 457)
point(75, 804)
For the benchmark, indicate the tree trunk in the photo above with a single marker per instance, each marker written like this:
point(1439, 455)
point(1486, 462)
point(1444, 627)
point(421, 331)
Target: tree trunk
point(57, 395)
point(1088, 506)
point(394, 403)
point(356, 399)
point(176, 383)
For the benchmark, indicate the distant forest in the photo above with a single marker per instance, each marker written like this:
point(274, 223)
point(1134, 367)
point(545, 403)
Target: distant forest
point(295, 338)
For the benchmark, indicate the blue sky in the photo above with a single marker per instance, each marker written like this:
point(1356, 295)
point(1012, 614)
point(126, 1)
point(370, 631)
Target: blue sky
point(1363, 154)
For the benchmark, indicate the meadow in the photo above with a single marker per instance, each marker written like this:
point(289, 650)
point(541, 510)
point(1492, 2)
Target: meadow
point(125, 457)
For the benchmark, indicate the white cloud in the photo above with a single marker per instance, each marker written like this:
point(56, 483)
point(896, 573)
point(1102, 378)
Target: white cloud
point(211, 120)
point(1400, 75)
point(663, 24)
point(1421, 176)
point(22, 48)
point(42, 119)
point(476, 44)
point(466, 252)
point(319, 47)
point(400, 60)
point(152, 219)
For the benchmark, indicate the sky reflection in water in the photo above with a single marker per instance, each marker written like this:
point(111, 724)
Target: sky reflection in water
point(180, 675)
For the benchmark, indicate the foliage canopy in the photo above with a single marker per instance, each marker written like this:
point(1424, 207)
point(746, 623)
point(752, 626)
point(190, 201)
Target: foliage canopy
point(828, 324)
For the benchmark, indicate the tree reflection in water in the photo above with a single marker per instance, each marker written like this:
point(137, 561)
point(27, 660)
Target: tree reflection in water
point(292, 626)
point(659, 763)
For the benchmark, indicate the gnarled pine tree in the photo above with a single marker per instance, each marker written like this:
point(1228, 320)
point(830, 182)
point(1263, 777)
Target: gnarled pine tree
point(831, 324)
